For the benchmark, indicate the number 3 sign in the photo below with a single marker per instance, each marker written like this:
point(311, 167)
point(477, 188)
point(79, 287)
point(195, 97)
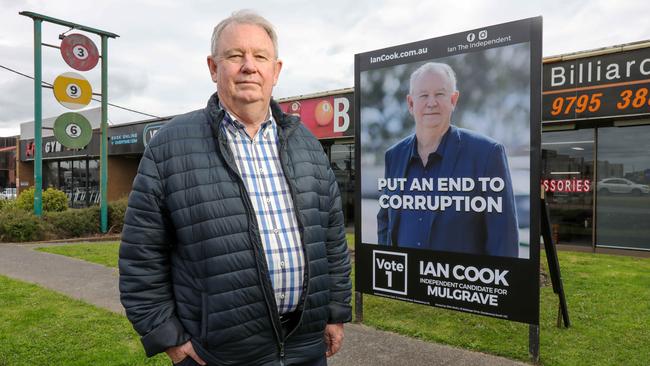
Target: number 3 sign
point(79, 52)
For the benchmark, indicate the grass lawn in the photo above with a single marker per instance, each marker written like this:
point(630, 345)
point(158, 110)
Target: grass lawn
point(104, 253)
point(609, 306)
point(42, 327)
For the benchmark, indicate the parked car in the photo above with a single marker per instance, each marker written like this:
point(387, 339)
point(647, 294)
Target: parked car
point(8, 193)
point(621, 186)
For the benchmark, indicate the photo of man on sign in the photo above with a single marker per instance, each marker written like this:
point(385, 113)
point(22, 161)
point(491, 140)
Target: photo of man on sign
point(443, 177)
point(457, 179)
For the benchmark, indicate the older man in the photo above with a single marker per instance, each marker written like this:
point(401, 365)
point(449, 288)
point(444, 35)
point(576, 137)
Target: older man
point(441, 150)
point(233, 250)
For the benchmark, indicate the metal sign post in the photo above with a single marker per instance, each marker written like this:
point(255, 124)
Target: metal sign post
point(38, 121)
point(103, 149)
point(80, 54)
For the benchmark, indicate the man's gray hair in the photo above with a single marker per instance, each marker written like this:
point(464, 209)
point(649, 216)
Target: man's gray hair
point(245, 16)
point(433, 67)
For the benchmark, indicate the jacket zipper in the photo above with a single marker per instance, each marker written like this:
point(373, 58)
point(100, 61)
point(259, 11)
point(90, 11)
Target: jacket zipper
point(301, 227)
point(275, 316)
point(272, 306)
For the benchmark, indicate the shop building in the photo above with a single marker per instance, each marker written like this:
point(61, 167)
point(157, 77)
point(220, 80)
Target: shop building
point(8, 167)
point(596, 147)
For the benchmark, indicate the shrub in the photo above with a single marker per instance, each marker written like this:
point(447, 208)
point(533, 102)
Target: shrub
point(54, 200)
point(17, 224)
point(116, 211)
point(8, 204)
point(74, 222)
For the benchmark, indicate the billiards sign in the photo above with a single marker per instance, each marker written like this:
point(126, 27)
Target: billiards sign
point(327, 116)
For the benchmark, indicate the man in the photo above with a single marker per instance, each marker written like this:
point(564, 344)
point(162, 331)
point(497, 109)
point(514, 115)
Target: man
point(233, 250)
point(441, 150)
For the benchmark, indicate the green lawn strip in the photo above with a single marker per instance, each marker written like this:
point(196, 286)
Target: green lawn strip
point(608, 305)
point(41, 327)
point(104, 253)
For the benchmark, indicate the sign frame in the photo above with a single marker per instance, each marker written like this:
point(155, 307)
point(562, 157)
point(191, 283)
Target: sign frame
point(526, 297)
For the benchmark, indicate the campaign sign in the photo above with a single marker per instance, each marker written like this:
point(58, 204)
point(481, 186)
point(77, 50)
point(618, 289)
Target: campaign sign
point(448, 147)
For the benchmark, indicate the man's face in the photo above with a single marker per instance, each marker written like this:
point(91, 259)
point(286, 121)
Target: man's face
point(432, 100)
point(245, 67)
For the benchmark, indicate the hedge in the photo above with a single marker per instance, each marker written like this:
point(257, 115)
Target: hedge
point(18, 224)
point(53, 200)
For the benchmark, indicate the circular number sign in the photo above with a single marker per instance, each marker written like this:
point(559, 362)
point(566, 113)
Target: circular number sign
point(72, 90)
point(79, 52)
point(73, 130)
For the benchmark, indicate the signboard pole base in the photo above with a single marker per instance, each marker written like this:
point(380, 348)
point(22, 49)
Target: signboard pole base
point(533, 342)
point(358, 307)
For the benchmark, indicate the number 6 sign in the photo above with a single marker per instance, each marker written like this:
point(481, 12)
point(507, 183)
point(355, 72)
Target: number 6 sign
point(79, 52)
point(73, 130)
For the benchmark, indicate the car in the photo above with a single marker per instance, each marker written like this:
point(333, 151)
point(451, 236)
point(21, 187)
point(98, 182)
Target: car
point(621, 186)
point(8, 193)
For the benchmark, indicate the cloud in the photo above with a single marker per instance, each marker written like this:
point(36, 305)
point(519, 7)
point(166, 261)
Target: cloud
point(158, 63)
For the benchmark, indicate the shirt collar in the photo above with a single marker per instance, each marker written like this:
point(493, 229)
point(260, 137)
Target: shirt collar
point(236, 127)
point(439, 151)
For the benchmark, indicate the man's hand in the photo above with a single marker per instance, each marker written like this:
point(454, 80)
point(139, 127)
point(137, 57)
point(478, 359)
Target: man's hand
point(178, 353)
point(333, 338)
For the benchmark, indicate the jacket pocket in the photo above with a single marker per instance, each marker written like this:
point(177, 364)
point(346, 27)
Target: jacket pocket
point(204, 318)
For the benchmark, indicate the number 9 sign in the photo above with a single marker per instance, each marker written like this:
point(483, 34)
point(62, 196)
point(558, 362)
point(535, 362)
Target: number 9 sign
point(73, 130)
point(72, 90)
point(79, 52)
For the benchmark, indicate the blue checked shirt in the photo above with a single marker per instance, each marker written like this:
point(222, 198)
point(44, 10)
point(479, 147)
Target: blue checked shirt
point(258, 162)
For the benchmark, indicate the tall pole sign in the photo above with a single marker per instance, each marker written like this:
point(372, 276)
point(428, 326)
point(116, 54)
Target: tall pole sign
point(72, 91)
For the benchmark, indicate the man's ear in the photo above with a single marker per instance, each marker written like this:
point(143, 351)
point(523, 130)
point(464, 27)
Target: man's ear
point(213, 68)
point(454, 98)
point(409, 103)
point(276, 73)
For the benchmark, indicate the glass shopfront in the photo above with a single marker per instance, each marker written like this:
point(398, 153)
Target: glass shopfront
point(623, 187)
point(341, 156)
point(79, 179)
point(614, 192)
point(567, 176)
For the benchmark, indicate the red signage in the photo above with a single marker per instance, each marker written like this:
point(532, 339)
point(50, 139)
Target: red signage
point(326, 117)
point(79, 52)
point(566, 185)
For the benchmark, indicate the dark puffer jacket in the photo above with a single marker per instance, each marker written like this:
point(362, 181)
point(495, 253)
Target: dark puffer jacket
point(192, 264)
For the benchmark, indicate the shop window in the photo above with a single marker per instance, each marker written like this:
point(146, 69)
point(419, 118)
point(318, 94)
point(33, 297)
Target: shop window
point(342, 163)
point(567, 178)
point(623, 187)
point(79, 179)
point(50, 174)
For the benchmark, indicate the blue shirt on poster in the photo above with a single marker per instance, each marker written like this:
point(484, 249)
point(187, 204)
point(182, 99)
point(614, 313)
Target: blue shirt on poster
point(412, 230)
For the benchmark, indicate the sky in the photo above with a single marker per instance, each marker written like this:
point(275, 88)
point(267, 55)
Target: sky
point(158, 64)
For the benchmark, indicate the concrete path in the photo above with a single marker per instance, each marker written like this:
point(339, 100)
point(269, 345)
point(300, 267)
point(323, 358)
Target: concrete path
point(97, 285)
